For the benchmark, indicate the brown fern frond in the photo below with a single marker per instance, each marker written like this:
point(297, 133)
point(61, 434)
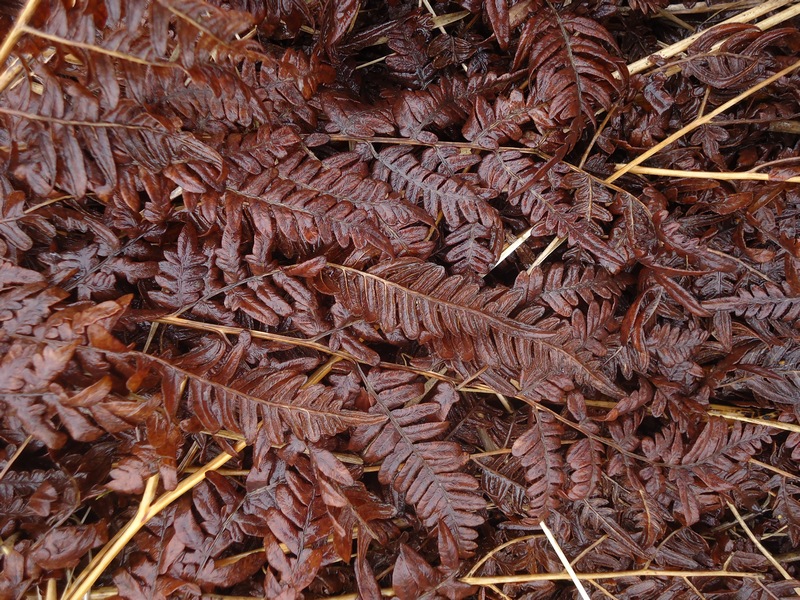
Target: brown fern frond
point(760, 302)
point(472, 244)
point(549, 206)
point(538, 452)
point(575, 67)
point(415, 462)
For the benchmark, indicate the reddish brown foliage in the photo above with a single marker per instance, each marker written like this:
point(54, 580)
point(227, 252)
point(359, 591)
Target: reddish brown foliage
point(280, 222)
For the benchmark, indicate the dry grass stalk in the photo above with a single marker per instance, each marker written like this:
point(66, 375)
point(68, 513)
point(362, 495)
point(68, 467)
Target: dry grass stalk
point(769, 467)
point(13, 36)
point(764, 422)
point(589, 548)
point(784, 126)
point(551, 247)
point(527, 578)
point(52, 592)
point(385, 592)
point(20, 449)
point(701, 121)
point(564, 561)
point(497, 549)
point(102, 559)
point(778, 18)
point(602, 590)
point(680, 9)
point(673, 50)
point(675, 19)
point(93, 48)
point(512, 247)
point(322, 371)
point(147, 510)
point(728, 176)
point(778, 566)
point(728, 413)
point(223, 330)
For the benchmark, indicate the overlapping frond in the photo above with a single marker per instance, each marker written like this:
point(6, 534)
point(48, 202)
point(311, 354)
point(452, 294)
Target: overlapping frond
point(415, 461)
point(574, 65)
point(349, 295)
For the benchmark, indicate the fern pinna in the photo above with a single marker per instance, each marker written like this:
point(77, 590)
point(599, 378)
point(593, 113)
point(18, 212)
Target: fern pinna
point(352, 297)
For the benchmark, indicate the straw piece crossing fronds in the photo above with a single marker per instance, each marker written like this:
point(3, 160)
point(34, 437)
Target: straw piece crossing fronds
point(564, 560)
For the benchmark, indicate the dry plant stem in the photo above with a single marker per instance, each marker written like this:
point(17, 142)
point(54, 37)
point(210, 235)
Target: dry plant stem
point(789, 557)
point(769, 467)
point(589, 548)
point(596, 136)
point(790, 161)
point(609, 404)
point(551, 247)
point(225, 472)
point(753, 270)
point(151, 334)
point(497, 591)
point(147, 510)
point(500, 579)
point(764, 422)
point(93, 48)
point(678, 47)
point(433, 14)
point(263, 335)
point(701, 121)
point(490, 453)
point(785, 126)
point(350, 459)
point(693, 588)
point(680, 9)
point(512, 247)
point(504, 402)
point(15, 456)
point(731, 176)
point(224, 330)
point(602, 590)
point(449, 18)
point(374, 61)
point(775, 19)
point(36, 207)
point(729, 413)
point(476, 457)
point(761, 548)
point(16, 31)
point(440, 22)
point(497, 549)
point(102, 593)
point(385, 592)
point(236, 558)
point(471, 378)
point(564, 560)
point(767, 23)
point(322, 371)
point(102, 559)
point(437, 21)
point(678, 21)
